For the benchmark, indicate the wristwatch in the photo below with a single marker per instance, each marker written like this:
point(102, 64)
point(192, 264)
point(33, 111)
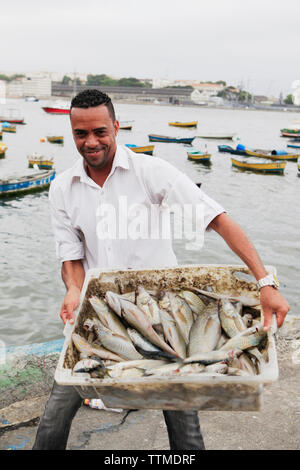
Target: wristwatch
point(269, 280)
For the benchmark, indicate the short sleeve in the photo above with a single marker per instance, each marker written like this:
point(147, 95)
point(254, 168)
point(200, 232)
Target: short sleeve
point(69, 245)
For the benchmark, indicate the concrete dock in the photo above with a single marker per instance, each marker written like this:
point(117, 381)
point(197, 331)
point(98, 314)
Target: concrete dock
point(26, 380)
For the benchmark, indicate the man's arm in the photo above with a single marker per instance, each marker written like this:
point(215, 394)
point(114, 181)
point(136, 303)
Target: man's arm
point(271, 300)
point(73, 274)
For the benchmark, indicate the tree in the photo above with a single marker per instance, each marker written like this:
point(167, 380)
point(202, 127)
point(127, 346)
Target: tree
point(289, 99)
point(66, 80)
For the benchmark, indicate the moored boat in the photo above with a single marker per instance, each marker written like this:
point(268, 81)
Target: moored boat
point(217, 136)
point(298, 164)
point(41, 161)
point(290, 132)
point(294, 146)
point(7, 127)
point(164, 138)
point(57, 108)
point(199, 156)
point(1, 135)
point(183, 124)
point(20, 185)
point(125, 125)
point(239, 150)
point(259, 166)
point(272, 154)
point(55, 139)
point(12, 116)
point(146, 149)
point(3, 149)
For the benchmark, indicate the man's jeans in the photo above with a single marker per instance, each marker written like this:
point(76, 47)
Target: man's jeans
point(53, 431)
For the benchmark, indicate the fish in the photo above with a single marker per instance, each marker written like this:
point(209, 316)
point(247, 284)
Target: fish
point(147, 349)
point(247, 319)
point(135, 317)
point(230, 318)
point(172, 334)
point(107, 317)
point(205, 334)
point(218, 368)
point(248, 338)
point(129, 296)
point(88, 365)
point(168, 369)
point(251, 301)
point(211, 357)
point(149, 305)
point(223, 339)
point(132, 372)
point(193, 368)
point(93, 350)
point(194, 301)
point(182, 314)
point(144, 364)
point(118, 344)
point(236, 371)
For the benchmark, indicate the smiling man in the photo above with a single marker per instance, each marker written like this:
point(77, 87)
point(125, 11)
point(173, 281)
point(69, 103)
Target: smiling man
point(106, 174)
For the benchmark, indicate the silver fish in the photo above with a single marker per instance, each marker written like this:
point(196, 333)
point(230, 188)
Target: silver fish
point(211, 357)
point(118, 344)
point(130, 373)
point(182, 314)
point(247, 319)
point(251, 301)
point(194, 301)
point(138, 319)
point(218, 368)
point(107, 317)
point(191, 369)
point(149, 305)
point(248, 338)
point(93, 350)
point(147, 349)
point(168, 369)
point(236, 371)
point(88, 364)
point(172, 333)
point(230, 318)
point(205, 334)
point(144, 364)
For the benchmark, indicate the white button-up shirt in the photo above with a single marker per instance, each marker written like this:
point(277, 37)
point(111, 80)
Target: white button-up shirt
point(120, 225)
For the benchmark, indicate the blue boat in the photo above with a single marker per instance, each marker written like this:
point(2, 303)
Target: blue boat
point(164, 138)
point(17, 186)
point(239, 150)
point(294, 146)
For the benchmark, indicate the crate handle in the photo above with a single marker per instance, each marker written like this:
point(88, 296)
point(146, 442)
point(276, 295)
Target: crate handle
point(68, 329)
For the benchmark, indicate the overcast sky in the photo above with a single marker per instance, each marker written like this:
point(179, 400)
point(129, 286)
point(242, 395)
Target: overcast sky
point(255, 42)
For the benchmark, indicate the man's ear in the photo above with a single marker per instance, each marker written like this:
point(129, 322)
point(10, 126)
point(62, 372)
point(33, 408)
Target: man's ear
point(116, 126)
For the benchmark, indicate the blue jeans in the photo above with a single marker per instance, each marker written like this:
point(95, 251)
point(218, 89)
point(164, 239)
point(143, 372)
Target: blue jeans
point(64, 401)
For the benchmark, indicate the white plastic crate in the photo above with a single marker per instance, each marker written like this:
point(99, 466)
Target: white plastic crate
point(241, 393)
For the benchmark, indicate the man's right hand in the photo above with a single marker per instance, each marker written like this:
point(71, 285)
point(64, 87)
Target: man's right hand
point(70, 303)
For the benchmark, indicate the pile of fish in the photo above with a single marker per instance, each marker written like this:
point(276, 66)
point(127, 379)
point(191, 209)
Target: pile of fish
point(170, 333)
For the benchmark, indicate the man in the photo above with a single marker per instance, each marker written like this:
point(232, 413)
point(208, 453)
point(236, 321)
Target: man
point(105, 175)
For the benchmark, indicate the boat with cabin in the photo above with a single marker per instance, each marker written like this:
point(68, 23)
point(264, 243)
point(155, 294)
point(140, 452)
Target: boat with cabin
point(58, 107)
point(43, 163)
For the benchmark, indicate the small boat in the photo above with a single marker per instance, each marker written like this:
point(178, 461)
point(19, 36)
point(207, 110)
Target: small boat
point(42, 162)
point(259, 166)
point(272, 154)
point(57, 108)
point(217, 136)
point(12, 116)
point(184, 124)
point(1, 135)
point(125, 125)
point(298, 164)
point(164, 138)
point(6, 127)
point(19, 185)
point(146, 149)
point(198, 156)
point(31, 98)
point(3, 149)
point(239, 150)
point(55, 139)
point(292, 132)
point(294, 146)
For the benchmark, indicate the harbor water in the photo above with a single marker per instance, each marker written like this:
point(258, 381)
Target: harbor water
point(266, 206)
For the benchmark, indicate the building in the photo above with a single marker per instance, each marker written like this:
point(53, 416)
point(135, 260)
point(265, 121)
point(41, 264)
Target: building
point(296, 97)
point(39, 86)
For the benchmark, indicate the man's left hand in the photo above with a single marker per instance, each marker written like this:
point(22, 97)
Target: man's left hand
point(272, 302)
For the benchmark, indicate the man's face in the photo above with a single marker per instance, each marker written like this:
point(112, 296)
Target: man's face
point(94, 134)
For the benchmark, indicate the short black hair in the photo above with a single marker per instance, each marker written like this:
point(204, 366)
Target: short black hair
point(92, 97)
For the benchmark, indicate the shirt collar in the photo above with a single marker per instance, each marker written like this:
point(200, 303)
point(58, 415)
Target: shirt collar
point(120, 160)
